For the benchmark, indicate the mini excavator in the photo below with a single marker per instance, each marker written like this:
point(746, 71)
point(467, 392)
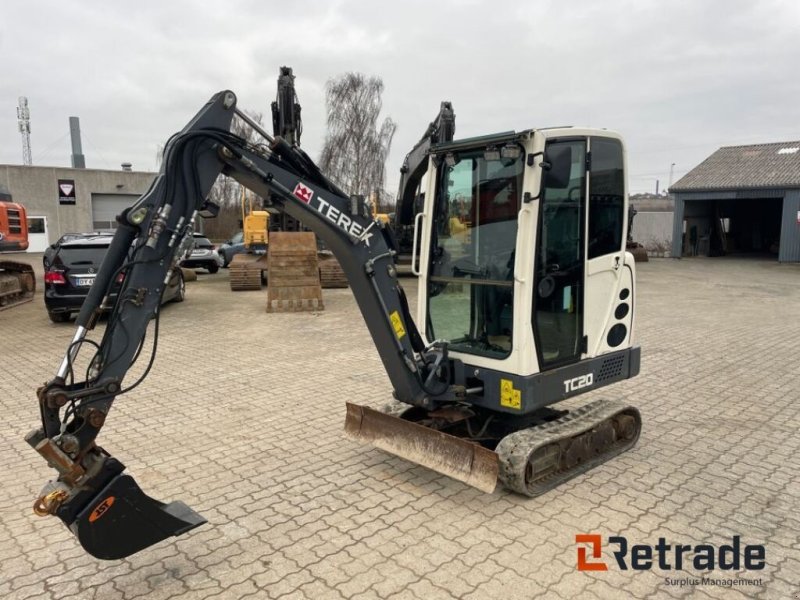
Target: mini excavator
point(526, 299)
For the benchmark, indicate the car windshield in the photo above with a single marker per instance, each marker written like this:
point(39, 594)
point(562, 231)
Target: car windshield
point(201, 242)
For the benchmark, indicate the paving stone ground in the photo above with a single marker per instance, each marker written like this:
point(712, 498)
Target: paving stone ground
point(242, 418)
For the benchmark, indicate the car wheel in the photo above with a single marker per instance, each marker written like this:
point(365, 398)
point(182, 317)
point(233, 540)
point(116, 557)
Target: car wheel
point(180, 294)
point(62, 317)
point(213, 268)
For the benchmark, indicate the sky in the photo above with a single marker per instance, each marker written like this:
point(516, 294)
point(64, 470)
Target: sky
point(677, 78)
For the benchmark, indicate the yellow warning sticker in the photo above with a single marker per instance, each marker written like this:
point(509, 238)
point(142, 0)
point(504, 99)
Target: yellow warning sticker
point(397, 323)
point(510, 397)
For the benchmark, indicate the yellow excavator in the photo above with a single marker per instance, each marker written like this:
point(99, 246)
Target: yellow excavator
point(247, 269)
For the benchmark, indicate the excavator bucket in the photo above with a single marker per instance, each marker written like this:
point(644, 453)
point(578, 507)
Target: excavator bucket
point(293, 283)
point(446, 454)
point(122, 520)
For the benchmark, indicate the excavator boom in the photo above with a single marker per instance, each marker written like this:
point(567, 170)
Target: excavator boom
point(92, 495)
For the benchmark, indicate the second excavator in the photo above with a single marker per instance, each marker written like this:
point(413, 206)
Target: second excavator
point(525, 299)
point(250, 268)
point(17, 281)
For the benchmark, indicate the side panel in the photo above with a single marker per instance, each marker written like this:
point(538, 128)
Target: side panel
point(520, 395)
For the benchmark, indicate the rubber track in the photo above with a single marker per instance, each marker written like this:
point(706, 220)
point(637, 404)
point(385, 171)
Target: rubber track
point(242, 278)
point(26, 280)
point(514, 450)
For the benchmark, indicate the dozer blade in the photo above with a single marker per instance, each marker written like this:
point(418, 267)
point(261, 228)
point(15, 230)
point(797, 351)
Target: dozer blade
point(446, 454)
point(122, 520)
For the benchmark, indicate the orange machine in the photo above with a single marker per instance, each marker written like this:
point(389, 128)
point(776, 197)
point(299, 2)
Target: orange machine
point(17, 281)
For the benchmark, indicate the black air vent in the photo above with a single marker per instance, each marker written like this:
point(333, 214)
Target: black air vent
point(611, 368)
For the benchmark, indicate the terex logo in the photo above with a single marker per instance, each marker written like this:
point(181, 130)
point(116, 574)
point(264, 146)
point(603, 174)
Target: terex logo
point(304, 193)
point(644, 557)
point(341, 220)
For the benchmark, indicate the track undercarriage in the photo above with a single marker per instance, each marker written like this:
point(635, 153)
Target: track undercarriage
point(529, 455)
point(17, 283)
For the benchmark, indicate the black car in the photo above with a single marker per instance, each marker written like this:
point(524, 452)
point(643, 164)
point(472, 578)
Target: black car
point(71, 272)
point(203, 255)
point(51, 250)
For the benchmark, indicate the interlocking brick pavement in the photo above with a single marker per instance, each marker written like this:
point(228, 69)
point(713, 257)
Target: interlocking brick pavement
point(242, 419)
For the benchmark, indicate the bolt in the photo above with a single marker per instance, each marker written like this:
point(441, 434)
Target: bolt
point(96, 418)
point(57, 399)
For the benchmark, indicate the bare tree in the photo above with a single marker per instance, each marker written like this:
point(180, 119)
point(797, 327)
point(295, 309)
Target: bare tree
point(355, 151)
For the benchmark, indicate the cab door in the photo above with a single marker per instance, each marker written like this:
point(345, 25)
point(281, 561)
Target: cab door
point(607, 319)
point(558, 300)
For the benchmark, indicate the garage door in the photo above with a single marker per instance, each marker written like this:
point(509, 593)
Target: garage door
point(106, 207)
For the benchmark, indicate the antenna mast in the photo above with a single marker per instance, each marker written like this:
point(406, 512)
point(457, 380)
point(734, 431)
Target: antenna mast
point(24, 118)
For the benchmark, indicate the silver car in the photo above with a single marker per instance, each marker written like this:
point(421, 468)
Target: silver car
point(203, 256)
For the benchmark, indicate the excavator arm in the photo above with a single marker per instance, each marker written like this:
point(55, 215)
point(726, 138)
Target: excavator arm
point(103, 506)
point(415, 165)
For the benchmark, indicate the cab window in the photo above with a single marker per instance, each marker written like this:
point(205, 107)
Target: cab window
point(606, 197)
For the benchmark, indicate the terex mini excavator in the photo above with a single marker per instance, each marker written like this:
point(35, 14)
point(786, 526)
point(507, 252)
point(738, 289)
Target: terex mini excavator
point(525, 299)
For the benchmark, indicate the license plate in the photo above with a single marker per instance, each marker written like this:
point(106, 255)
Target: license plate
point(84, 281)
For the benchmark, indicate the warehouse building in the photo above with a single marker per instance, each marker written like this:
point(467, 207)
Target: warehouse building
point(61, 200)
point(741, 199)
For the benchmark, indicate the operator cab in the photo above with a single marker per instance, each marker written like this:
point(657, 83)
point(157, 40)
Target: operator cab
point(522, 261)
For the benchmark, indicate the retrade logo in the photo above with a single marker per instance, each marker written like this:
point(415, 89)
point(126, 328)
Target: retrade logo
point(668, 557)
point(596, 544)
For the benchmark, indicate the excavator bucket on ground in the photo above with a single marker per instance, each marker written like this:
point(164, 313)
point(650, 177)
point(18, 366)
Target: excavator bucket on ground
point(458, 458)
point(293, 284)
point(17, 283)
